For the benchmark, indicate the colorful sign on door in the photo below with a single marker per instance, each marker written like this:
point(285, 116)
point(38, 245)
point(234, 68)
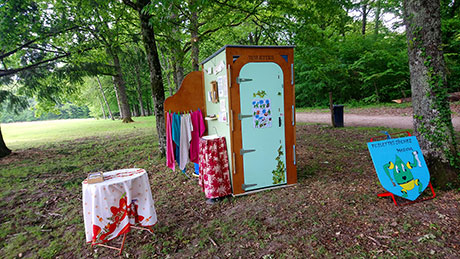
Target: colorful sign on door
point(400, 166)
point(261, 113)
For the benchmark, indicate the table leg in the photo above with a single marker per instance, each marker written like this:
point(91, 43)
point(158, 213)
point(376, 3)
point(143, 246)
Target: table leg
point(122, 244)
point(143, 228)
point(120, 249)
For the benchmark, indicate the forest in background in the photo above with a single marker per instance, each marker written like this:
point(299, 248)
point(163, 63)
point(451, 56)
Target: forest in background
point(60, 112)
point(85, 52)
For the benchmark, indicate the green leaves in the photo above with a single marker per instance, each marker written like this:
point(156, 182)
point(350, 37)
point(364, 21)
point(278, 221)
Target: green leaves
point(12, 102)
point(370, 69)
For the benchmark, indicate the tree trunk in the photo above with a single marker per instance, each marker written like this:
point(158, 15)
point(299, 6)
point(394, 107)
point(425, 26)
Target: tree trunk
point(195, 51)
point(364, 7)
point(102, 107)
point(343, 24)
point(376, 89)
point(432, 115)
point(4, 150)
point(135, 110)
point(148, 108)
point(139, 87)
point(177, 57)
point(167, 66)
point(178, 74)
point(120, 83)
point(117, 96)
point(377, 17)
point(156, 81)
point(105, 98)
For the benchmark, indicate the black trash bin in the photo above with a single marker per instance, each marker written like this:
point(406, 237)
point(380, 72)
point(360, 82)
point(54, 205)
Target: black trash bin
point(338, 115)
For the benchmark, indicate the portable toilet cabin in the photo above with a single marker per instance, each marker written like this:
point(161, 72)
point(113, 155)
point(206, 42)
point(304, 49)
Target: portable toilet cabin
point(247, 95)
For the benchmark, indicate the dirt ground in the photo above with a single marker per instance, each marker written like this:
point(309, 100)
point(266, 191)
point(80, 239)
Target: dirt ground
point(395, 111)
point(333, 210)
point(374, 117)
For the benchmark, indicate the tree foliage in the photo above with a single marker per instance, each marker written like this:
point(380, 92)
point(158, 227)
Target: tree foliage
point(52, 51)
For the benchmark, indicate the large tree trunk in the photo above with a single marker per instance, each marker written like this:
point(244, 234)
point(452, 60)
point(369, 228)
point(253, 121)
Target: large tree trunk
point(156, 80)
point(4, 150)
point(432, 115)
point(105, 98)
point(120, 83)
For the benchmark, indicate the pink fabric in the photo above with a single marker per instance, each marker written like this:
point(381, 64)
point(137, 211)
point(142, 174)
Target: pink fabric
point(197, 133)
point(214, 171)
point(170, 161)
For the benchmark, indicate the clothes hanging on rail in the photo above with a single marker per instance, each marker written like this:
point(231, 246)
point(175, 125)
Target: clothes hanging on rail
point(197, 133)
point(175, 129)
point(183, 134)
point(170, 161)
point(185, 138)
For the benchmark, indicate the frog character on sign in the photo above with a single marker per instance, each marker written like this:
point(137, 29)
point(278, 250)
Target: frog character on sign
point(402, 174)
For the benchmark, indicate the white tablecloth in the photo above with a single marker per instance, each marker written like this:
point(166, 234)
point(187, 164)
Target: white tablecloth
point(110, 207)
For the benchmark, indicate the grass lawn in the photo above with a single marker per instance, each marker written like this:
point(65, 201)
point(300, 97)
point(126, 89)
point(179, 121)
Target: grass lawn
point(333, 211)
point(33, 134)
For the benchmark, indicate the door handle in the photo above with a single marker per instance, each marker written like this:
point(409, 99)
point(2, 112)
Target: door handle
point(242, 116)
point(279, 119)
point(244, 151)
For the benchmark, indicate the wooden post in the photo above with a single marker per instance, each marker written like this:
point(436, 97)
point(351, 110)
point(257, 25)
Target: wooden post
point(331, 107)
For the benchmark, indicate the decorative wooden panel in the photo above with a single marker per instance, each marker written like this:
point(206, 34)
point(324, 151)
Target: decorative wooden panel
point(190, 95)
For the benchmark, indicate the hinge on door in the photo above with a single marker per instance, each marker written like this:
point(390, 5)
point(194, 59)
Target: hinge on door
point(231, 118)
point(240, 80)
point(244, 151)
point(245, 186)
point(293, 150)
point(233, 163)
point(241, 116)
point(292, 74)
point(229, 76)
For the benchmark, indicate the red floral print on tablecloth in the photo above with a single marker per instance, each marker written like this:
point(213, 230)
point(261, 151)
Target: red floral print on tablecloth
point(111, 207)
point(214, 169)
point(118, 214)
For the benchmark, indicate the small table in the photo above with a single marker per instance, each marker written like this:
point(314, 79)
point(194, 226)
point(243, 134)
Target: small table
point(214, 168)
point(112, 207)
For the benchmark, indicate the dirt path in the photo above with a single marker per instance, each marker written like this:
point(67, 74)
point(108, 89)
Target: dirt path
point(393, 118)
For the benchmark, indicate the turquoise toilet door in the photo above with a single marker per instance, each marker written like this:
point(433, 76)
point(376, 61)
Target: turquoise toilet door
point(262, 125)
